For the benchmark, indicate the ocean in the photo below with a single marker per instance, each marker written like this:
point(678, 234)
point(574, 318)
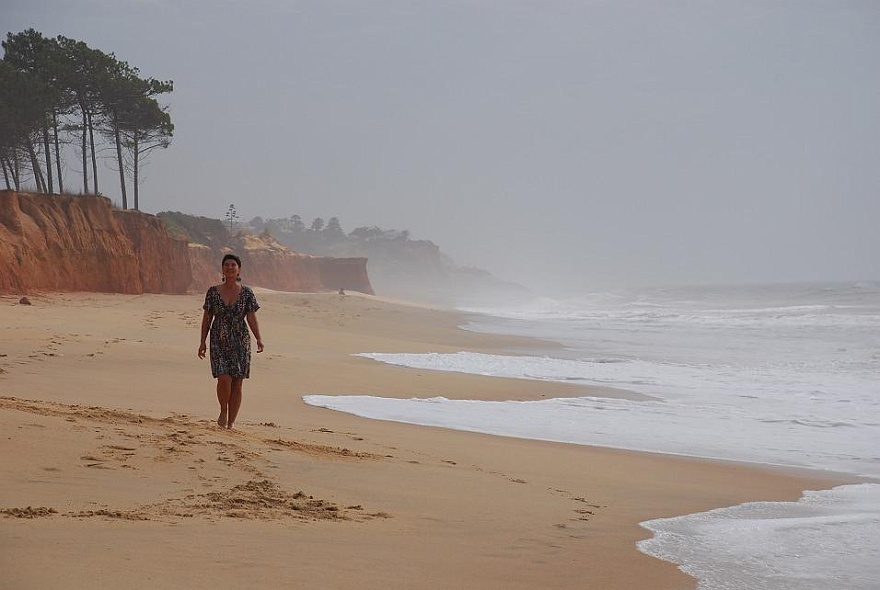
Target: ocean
point(784, 374)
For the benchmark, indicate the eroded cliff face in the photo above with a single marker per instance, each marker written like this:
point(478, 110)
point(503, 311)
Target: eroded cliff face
point(83, 243)
point(163, 262)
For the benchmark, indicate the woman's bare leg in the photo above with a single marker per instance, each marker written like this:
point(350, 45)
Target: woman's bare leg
point(234, 401)
point(224, 393)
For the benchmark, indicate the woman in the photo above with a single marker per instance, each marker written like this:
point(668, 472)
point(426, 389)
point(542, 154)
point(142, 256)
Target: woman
point(229, 305)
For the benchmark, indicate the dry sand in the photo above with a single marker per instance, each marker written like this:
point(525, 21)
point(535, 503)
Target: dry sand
point(115, 475)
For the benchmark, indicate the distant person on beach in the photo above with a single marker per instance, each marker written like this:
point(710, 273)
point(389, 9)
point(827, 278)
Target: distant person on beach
point(227, 307)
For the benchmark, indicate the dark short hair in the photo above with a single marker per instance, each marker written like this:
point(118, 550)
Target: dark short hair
point(232, 257)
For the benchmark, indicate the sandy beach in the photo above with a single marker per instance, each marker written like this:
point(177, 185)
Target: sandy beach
point(115, 473)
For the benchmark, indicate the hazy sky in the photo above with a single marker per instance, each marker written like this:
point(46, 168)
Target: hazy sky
point(579, 143)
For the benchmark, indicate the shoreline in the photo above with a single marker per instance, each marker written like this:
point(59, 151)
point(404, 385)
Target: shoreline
point(117, 447)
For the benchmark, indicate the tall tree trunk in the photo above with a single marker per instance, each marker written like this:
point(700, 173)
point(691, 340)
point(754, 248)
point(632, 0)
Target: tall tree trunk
point(119, 161)
point(136, 158)
point(50, 186)
point(5, 172)
point(57, 152)
point(35, 167)
point(94, 156)
point(85, 153)
point(16, 171)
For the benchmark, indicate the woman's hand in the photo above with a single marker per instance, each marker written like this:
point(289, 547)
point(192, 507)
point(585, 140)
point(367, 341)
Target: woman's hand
point(206, 326)
point(254, 325)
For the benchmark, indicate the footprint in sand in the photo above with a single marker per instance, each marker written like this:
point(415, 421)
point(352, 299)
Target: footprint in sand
point(94, 462)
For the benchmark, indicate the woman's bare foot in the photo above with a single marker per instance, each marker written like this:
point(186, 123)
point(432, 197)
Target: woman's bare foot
point(221, 421)
point(229, 426)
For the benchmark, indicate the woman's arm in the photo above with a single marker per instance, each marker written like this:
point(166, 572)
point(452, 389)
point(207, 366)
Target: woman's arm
point(251, 318)
point(206, 325)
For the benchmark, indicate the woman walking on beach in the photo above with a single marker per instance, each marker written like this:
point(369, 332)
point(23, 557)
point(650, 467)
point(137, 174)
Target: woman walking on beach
point(227, 307)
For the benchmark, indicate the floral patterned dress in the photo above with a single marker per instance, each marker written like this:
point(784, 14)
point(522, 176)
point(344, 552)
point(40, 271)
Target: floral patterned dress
point(230, 337)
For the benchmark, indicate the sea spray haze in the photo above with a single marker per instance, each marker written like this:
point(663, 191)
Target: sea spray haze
point(774, 374)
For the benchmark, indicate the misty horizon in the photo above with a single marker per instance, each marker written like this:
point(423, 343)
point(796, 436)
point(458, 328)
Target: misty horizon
point(560, 145)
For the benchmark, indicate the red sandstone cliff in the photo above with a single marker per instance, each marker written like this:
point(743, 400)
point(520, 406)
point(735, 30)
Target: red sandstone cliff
point(83, 243)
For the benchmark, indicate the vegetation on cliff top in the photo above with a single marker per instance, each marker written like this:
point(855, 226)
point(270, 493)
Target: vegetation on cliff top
point(197, 230)
point(56, 93)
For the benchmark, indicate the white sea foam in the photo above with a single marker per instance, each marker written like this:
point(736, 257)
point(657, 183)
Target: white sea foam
point(784, 375)
point(826, 540)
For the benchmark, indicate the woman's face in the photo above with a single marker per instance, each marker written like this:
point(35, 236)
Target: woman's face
point(230, 268)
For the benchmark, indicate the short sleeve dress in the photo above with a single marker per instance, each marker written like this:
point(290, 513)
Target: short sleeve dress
point(230, 337)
